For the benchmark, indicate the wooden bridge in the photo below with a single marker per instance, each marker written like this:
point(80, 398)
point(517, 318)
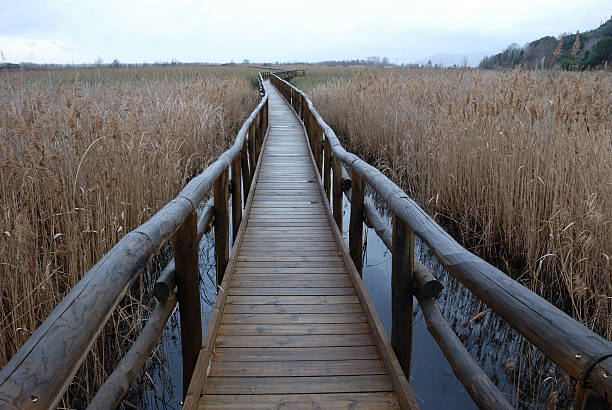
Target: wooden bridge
point(292, 325)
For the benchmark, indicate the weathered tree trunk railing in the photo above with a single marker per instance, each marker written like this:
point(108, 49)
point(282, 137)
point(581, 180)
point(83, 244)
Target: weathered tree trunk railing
point(581, 353)
point(39, 373)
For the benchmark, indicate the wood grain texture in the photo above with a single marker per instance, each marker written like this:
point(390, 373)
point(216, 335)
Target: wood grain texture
point(292, 322)
point(357, 401)
point(298, 368)
point(186, 244)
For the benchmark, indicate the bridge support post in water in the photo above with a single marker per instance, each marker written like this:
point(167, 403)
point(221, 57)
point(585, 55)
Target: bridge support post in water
point(236, 197)
point(186, 246)
point(327, 169)
point(246, 175)
point(319, 149)
point(356, 224)
point(221, 225)
point(338, 198)
point(402, 274)
point(251, 148)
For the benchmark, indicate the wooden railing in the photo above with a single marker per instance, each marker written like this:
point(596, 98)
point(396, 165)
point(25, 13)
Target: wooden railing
point(284, 74)
point(582, 354)
point(40, 372)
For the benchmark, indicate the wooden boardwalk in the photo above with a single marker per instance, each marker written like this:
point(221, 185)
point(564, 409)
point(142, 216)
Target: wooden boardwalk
point(294, 332)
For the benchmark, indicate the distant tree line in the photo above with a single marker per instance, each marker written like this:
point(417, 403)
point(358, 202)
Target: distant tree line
point(580, 51)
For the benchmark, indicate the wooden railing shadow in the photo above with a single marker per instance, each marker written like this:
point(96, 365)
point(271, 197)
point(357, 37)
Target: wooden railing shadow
point(582, 354)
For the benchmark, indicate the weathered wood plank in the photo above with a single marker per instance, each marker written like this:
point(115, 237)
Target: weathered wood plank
point(266, 277)
point(234, 291)
point(279, 354)
point(288, 270)
point(327, 309)
point(281, 318)
point(338, 283)
point(291, 300)
point(357, 401)
point(323, 384)
point(298, 368)
point(295, 329)
point(294, 341)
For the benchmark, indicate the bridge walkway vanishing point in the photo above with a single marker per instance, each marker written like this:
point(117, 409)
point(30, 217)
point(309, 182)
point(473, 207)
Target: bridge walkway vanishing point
point(297, 329)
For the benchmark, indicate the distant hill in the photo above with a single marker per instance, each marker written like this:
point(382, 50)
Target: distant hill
point(591, 49)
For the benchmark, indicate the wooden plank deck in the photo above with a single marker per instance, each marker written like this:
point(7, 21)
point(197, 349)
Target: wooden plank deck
point(293, 331)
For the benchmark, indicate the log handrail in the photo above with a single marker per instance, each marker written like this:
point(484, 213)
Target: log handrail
point(41, 370)
point(580, 352)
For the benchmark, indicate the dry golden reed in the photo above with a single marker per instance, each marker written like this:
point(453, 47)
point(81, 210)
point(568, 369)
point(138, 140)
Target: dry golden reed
point(88, 155)
point(517, 164)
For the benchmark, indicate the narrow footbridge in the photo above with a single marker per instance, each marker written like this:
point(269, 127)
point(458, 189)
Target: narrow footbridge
point(292, 325)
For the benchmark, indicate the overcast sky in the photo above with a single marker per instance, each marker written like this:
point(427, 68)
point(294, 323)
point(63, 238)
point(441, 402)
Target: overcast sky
point(69, 31)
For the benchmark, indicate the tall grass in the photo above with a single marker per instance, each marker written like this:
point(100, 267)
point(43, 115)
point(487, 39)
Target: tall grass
point(86, 156)
point(518, 165)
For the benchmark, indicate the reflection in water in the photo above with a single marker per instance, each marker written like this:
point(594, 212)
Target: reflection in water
point(505, 356)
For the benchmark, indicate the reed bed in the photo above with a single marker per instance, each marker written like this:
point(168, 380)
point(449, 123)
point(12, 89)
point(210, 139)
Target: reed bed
point(517, 165)
point(86, 156)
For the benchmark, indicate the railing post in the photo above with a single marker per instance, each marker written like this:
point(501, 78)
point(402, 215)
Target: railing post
point(244, 164)
point(236, 197)
point(186, 245)
point(302, 104)
point(402, 273)
point(338, 199)
point(257, 134)
point(265, 123)
point(327, 168)
point(319, 145)
point(262, 129)
point(221, 222)
point(312, 131)
point(251, 148)
point(356, 223)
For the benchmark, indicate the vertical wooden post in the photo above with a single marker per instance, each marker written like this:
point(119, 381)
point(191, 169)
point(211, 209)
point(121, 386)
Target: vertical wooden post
point(257, 134)
point(301, 110)
point(236, 197)
point(313, 137)
point(320, 138)
point(356, 223)
point(338, 199)
point(221, 225)
point(186, 245)
point(246, 176)
point(307, 124)
point(251, 148)
point(262, 129)
point(402, 273)
point(327, 169)
point(265, 124)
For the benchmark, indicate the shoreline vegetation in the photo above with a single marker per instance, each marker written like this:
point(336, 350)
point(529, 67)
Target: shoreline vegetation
point(516, 165)
point(87, 155)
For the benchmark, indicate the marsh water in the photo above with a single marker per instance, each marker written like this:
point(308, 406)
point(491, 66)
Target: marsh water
point(517, 368)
